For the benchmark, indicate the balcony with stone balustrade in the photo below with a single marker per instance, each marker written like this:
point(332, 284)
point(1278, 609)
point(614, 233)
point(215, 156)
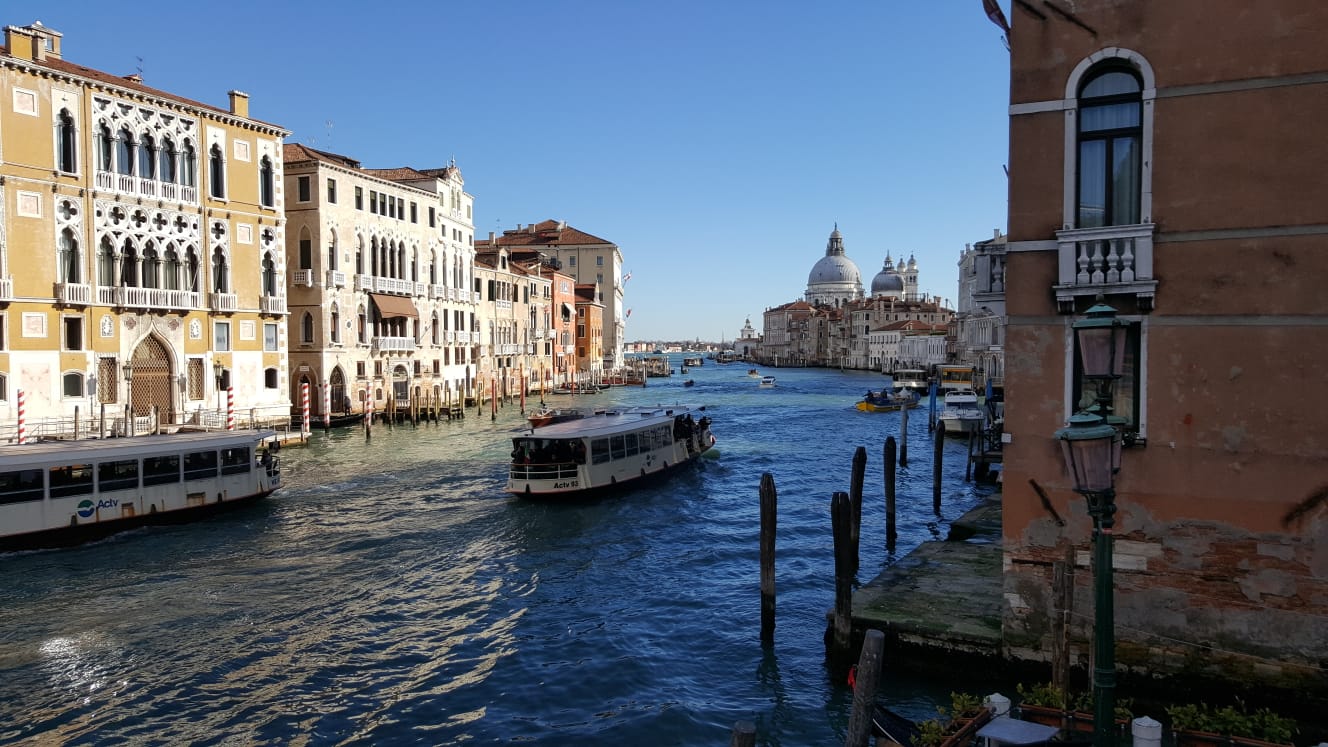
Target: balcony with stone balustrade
point(1110, 260)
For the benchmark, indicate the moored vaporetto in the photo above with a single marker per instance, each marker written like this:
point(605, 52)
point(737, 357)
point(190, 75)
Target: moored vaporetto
point(62, 493)
point(607, 450)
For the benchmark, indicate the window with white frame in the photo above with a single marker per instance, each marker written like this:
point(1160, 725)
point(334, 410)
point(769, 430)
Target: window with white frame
point(221, 336)
point(72, 384)
point(1110, 146)
point(270, 337)
point(66, 143)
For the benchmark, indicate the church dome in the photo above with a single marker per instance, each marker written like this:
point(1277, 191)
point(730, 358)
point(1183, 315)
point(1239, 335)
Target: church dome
point(835, 269)
point(887, 282)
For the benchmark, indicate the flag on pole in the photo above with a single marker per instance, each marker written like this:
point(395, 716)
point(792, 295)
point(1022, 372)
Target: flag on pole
point(627, 277)
point(996, 15)
point(628, 314)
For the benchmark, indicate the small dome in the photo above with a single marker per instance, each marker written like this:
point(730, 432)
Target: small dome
point(887, 282)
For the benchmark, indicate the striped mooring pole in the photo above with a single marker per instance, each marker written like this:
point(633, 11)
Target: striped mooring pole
point(22, 418)
point(327, 406)
point(304, 409)
point(230, 408)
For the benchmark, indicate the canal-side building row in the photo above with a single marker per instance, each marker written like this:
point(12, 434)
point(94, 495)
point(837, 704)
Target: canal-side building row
point(141, 239)
point(590, 260)
point(836, 324)
point(1178, 178)
point(383, 290)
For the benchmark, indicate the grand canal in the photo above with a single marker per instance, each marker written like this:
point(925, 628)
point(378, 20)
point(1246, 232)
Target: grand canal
point(391, 593)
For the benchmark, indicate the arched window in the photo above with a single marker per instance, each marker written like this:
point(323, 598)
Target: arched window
point(106, 263)
point(104, 147)
point(191, 270)
point(67, 141)
point(188, 165)
point(69, 261)
point(363, 322)
point(151, 266)
point(307, 327)
point(219, 274)
point(434, 329)
point(306, 250)
point(72, 384)
point(266, 189)
point(216, 172)
point(359, 255)
point(332, 254)
point(1110, 147)
point(336, 324)
point(170, 273)
point(147, 157)
point(269, 275)
point(125, 153)
point(166, 161)
point(270, 378)
point(433, 268)
point(129, 265)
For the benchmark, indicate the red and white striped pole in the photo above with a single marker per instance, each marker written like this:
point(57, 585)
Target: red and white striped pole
point(304, 409)
point(327, 406)
point(369, 405)
point(230, 408)
point(22, 418)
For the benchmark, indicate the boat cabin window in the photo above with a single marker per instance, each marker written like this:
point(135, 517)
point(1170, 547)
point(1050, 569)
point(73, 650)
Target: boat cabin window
point(617, 447)
point(161, 470)
point(235, 460)
point(599, 451)
point(71, 479)
point(548, 451)
point(21, 485)
point(120, 475)
point(200, 464)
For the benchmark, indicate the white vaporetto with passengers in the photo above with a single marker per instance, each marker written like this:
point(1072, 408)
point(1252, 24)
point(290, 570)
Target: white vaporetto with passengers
point(62, 493)
point(607, 449)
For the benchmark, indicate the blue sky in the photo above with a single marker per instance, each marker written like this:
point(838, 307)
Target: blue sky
point(716, 142)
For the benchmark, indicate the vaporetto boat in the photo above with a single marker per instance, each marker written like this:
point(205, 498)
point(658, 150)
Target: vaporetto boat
point(607, 450)
point(62, 493)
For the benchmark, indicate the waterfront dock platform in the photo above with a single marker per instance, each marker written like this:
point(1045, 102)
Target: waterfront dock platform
point(943, 599)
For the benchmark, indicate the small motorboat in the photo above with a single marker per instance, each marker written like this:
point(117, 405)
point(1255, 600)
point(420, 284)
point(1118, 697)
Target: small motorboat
point(888, 401)
point(753, 373)
point(767, 382)
point(689, 382)
point(550, 415)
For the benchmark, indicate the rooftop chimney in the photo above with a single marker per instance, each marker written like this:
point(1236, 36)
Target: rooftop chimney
point(35, 42)
point(239, 103)
point(492, 237)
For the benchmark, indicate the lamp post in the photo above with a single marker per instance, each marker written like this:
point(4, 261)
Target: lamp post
point(128, 370)
point(1091, 447)
point(221, 380)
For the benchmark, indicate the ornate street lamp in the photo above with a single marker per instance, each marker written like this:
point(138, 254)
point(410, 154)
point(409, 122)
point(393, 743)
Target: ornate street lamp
point(1102, 350)
point(128, 370)
point(221, 380)
point(1091, 446)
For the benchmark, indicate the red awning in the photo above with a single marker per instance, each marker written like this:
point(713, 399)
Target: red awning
point(394, 306)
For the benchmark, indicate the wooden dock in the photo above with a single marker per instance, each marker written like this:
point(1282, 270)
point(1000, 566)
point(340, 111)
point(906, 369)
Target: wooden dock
point(943, 599)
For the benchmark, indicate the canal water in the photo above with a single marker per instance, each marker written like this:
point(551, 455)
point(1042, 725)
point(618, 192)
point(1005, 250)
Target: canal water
point(391, 593)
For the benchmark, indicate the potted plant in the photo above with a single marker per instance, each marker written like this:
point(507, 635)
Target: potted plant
point(1198, 725)
point(1083, 713)
point(965, 716)
point(931, 733)
point(1042, 703)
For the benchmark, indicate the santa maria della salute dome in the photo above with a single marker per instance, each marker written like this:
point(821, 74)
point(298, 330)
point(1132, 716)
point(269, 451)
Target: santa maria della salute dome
point(835, 280)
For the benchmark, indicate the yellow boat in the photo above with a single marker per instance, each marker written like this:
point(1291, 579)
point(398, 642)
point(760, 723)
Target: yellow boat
point(884, 401)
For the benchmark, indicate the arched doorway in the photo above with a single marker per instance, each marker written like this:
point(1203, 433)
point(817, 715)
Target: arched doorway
point(400, 384)
point(151, 382)
point(338, 393)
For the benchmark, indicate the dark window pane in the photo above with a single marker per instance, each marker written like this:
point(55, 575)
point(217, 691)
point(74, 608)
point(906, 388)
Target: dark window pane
point(1092, 183)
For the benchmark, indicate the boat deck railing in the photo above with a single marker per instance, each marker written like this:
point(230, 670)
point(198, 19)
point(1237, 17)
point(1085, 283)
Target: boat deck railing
point(545, 471)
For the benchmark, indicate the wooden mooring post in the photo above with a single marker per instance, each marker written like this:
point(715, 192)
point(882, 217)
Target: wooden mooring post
point(841, 520)
point(769, 501)
point(903, 436)
point(744, 734)
point(864, 689)
point(855, 496)
point(936, 462)
point(891, 533)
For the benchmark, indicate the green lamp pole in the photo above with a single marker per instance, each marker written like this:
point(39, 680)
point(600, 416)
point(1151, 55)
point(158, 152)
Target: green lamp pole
point(1091, 447)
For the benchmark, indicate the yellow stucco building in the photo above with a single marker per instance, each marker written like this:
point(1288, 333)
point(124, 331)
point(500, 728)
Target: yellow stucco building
point(141, 248)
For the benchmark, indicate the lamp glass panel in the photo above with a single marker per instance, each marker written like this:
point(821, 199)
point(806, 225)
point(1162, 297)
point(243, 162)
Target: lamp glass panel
point(1090, 462)
point(1095, 345)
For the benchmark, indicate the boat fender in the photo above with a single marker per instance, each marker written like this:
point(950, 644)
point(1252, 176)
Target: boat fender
point(666, 464)
point(613, 480)
point(73, 520)
point(527, 488)
point(218, 497)
point(152, 508)
point(643, 471)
